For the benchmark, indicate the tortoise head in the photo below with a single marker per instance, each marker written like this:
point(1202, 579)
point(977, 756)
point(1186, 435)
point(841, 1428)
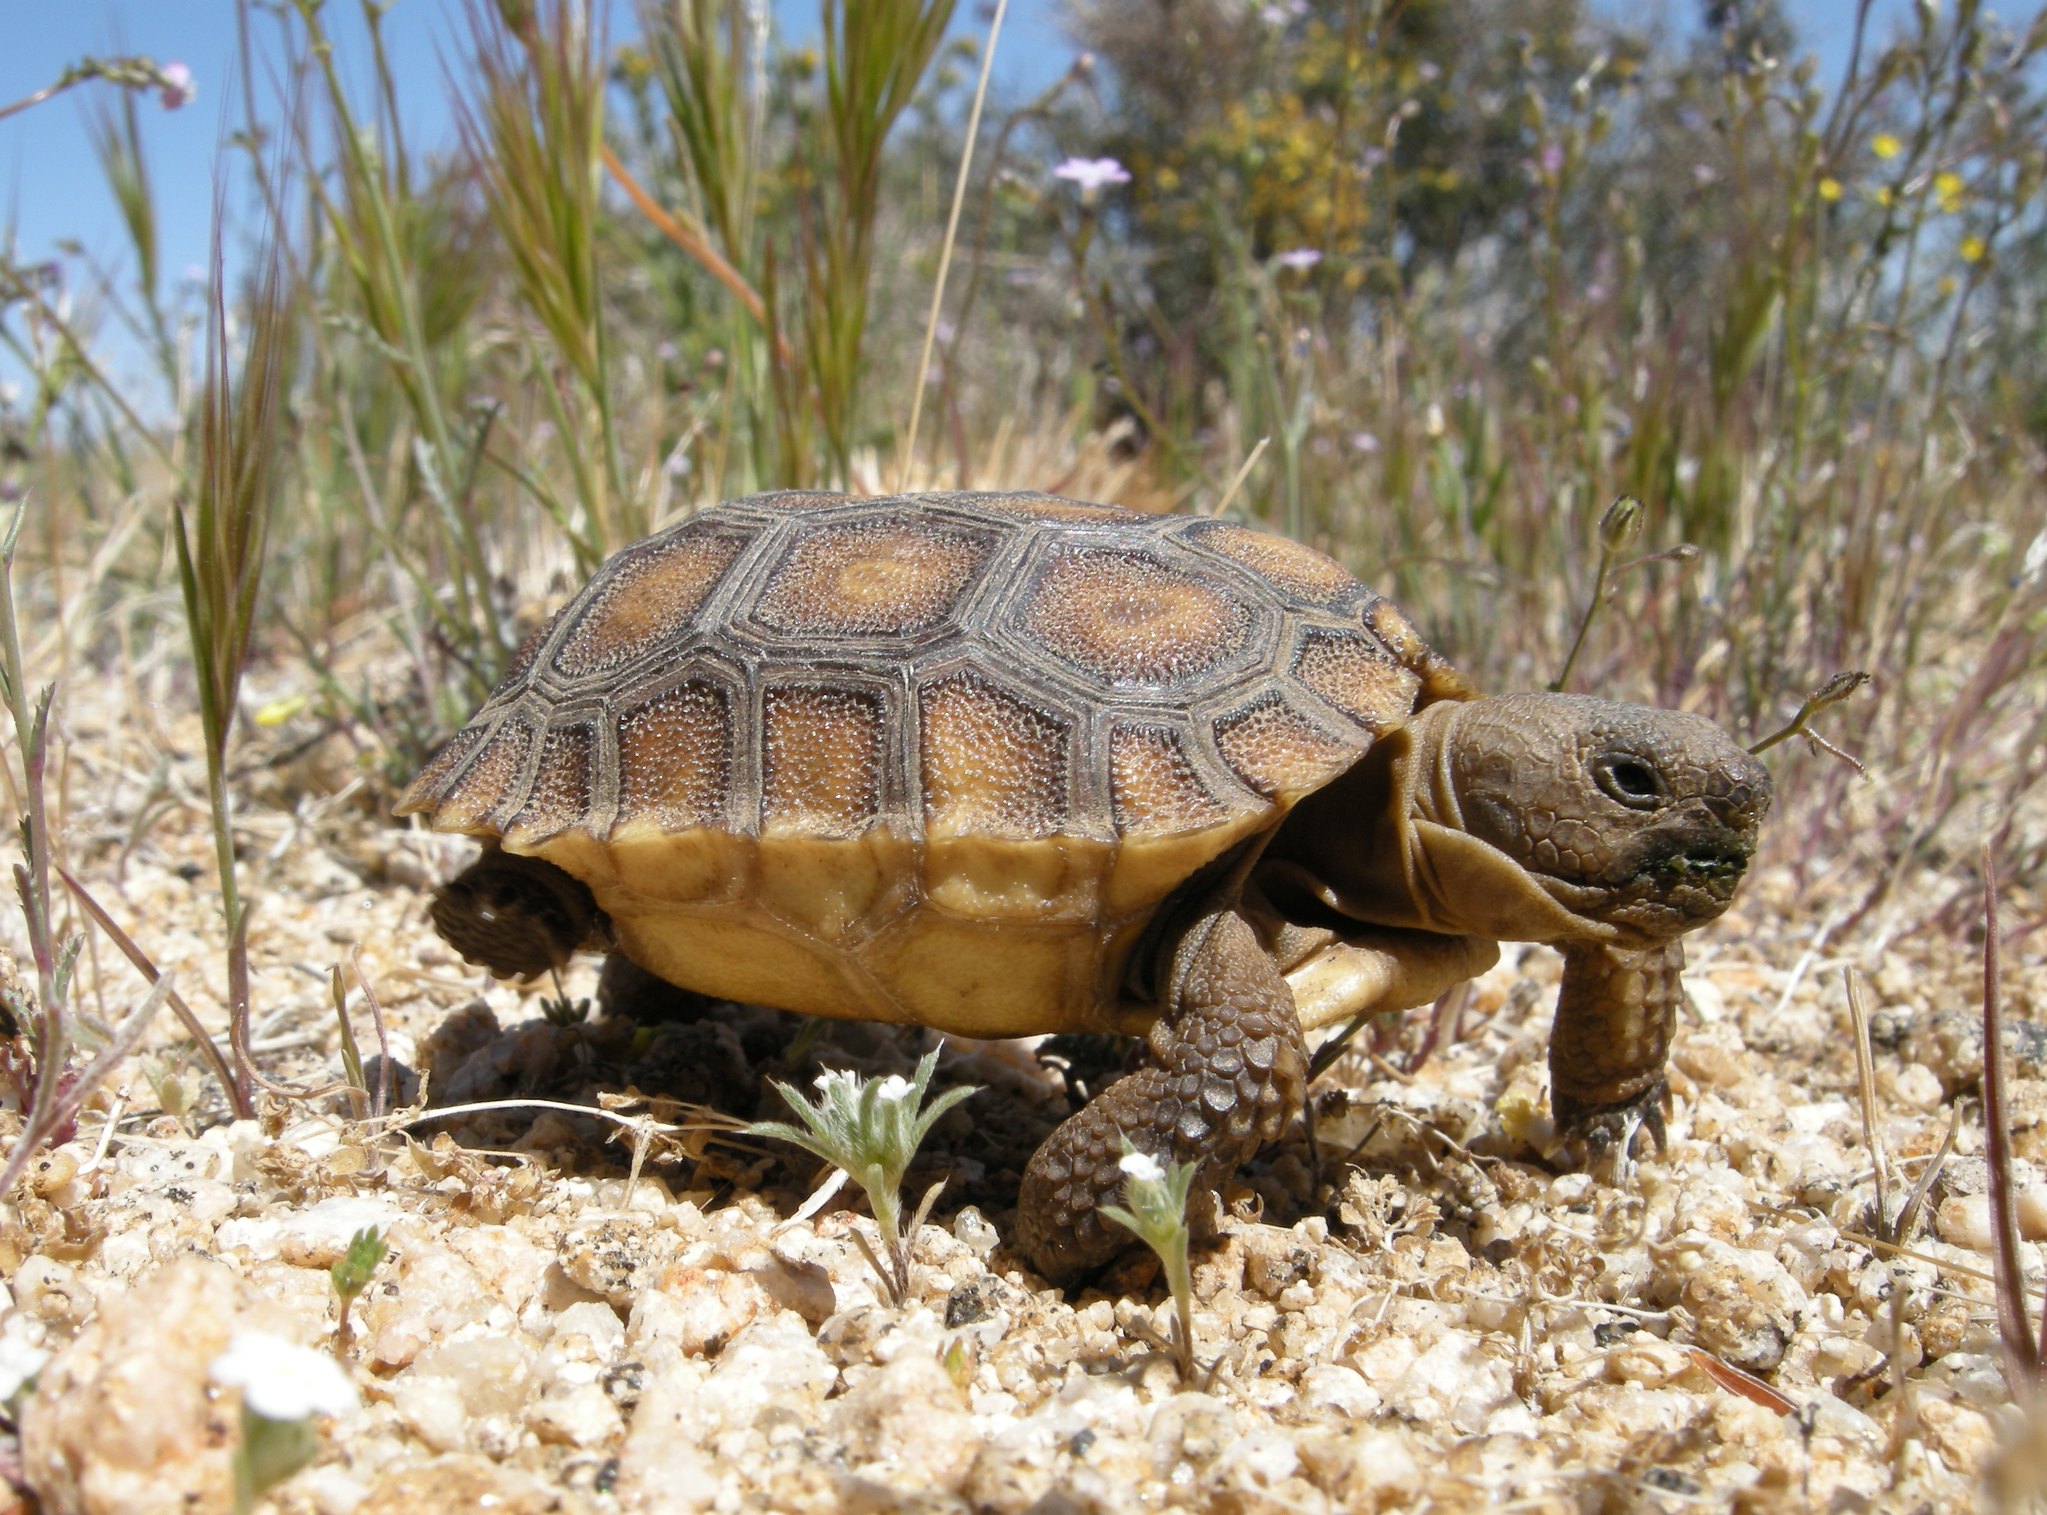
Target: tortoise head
point(517, 916)
point(1626, 815)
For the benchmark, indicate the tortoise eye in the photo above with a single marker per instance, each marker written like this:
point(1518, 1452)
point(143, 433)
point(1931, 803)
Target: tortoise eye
point(1633, 782)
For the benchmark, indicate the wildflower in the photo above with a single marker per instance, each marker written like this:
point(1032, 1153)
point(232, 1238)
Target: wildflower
point(1973, 249)
point(1830, 189)
point(870, 1130)
point(1885, 146)
point(1141, 1166)
point(1155, 1194)
point(176, 87)
point(1300, 259)
point(1364, 441)
point(1092, 174)
point(281, 1380)
point(1947, 188)
point(1552, 159)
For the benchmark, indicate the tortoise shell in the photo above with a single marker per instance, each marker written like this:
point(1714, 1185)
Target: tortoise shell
point(936, 759)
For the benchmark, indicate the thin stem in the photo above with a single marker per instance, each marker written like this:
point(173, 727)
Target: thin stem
point(952, 227)
point(1585, 621)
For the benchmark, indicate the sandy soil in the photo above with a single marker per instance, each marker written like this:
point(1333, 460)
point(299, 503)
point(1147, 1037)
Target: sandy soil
point(1430, 1310)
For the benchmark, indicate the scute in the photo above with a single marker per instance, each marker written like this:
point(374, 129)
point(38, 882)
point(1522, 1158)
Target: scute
point(1278, 751)
point(561, 792)
point(873, 579)
point(675, 757)
point(638, 597)
point(993, 763)
point(821, 756)
point(1358, 676)
point(1128, 619)
point(1297, 569)
point(1156, 785)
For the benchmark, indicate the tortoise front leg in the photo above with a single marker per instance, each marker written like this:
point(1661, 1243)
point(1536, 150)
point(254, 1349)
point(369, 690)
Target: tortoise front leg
point(1616, 1011)
point(1225, 1069)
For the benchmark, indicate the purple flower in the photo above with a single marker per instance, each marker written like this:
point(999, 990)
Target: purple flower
point(1552, 158)
point(175, 86)
point(1300, 259)
point(1364, 441)
point(1092, 174)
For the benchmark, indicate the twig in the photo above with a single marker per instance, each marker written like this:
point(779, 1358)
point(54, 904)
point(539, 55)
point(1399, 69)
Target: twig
point(697, 245)
point(1243, 472)
point(237, 1099)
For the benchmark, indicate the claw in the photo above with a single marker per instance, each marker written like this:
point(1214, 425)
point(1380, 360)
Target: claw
point(1605, 1136)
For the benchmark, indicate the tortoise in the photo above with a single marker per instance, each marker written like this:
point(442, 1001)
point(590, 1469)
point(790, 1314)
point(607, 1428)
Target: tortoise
point(1009, 764)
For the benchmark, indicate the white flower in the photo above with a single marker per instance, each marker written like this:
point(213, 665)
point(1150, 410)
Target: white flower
point(1301, 259)
point(1143, 1167)
point(281, 1380)
point(1092, 174)
point(894, 1088)
point(832, 1078)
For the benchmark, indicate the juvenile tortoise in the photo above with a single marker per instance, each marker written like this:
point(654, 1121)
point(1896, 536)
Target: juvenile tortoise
point(1003, 764)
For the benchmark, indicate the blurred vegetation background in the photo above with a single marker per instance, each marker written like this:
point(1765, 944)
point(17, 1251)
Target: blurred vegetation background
point(1466, 270)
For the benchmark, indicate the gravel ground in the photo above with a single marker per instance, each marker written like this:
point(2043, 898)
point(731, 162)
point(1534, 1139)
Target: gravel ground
point(1427, 1310)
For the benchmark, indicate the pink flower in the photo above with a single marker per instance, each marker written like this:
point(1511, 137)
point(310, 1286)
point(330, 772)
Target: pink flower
point(175, 86)
point(1300, 259)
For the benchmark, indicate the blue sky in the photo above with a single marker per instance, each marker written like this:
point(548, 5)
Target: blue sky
point(51, 184)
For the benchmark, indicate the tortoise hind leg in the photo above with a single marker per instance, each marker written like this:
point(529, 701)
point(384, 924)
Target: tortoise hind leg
point(1225, 1069)
point(518, 916)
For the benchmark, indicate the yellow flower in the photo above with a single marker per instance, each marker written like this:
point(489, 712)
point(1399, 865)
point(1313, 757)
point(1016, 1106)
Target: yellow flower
point(1945, 286)
point(1166, 180)
point(1973, 250)
point(1885, 146)
point(1830, 189)
point(1947, 187)
point(1883, 195)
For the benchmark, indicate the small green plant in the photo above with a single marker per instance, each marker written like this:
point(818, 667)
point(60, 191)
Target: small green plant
point(284, 1386)
point(222, 542)
point(869, 1129)
point(352, 1274)
point(1157, 1212)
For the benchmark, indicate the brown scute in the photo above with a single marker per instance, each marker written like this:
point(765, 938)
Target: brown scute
point(1129, 619)
point(1439, 681)
point(645, 596)
point(1153, 785)
point(1284, 561)
point(821, 756)
point(1278, 751)
point(675, 758)
point(1046, 507)
point(873, 579)
point(560, 796)
point(993, 764)
point(475, 799)
point(1354, 674)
